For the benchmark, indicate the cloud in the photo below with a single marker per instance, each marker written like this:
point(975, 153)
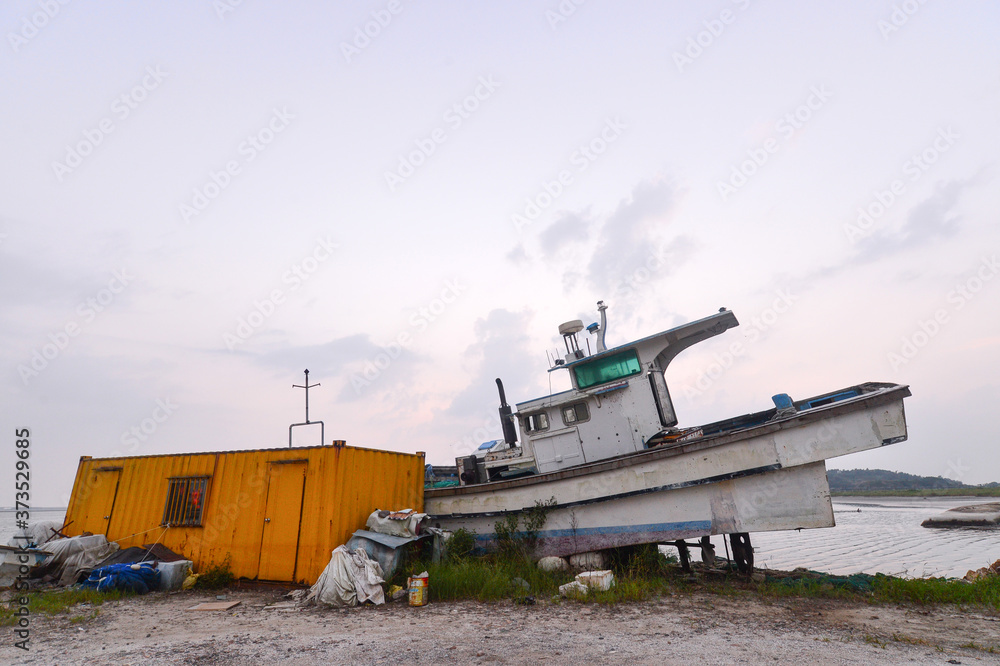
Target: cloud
point(518, 255)
point(630, 232)
point(569, 228)
point(933, 219)
point(361, 363)
point(502, 349)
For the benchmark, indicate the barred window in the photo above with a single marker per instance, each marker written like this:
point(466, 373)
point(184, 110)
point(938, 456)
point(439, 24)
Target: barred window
point(185, 501)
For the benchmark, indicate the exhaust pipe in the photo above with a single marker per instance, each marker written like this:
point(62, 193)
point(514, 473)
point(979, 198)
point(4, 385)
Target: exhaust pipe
point(506, 419)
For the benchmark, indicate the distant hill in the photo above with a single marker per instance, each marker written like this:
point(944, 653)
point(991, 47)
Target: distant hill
point(861, 480)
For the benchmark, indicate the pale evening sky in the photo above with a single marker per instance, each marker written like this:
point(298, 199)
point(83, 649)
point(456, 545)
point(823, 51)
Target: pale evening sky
point(201, 199)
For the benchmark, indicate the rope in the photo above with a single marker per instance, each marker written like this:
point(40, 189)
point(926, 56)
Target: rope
point(153, 545)
point(138, 533)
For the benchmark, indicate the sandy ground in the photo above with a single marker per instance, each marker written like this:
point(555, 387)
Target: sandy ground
point(689, 628)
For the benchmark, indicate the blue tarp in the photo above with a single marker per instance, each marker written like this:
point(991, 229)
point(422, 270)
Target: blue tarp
point(139, 578)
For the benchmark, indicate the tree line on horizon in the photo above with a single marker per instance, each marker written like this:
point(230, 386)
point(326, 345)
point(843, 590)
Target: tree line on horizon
point(881, 479)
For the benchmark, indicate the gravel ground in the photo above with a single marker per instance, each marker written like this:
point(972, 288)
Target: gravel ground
point(684, 629)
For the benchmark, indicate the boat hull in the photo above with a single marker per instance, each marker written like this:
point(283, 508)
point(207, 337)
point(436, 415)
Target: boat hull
point(763, 478)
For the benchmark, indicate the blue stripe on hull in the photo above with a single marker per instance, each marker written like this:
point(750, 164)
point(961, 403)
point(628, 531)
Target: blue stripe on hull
point(687, 526)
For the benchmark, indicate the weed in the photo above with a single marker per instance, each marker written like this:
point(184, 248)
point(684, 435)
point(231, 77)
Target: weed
point(216, 577)
point(899, 638)
point(973, 645)
point(924, 591)
point(514, 543)
point(460, 545)
point(85, 617)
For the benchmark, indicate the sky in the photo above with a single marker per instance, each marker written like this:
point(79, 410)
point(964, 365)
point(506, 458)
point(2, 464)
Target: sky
point(202, 199)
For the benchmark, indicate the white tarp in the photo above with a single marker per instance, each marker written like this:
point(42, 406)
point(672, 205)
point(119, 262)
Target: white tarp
point(348, 580)
point(73, 555)
point(405, 523)
point(37, 533)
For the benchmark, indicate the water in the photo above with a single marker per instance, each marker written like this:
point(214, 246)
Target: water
point(884, 537)
point(8, 528)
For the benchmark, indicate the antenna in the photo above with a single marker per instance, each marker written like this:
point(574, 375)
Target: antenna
point(322, 426)
point(306, 387)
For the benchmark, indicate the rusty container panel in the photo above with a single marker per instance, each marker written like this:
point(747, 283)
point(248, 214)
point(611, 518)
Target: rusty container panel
point(275, 514)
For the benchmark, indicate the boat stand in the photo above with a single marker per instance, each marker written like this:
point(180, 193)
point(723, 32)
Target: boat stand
point(742, 552)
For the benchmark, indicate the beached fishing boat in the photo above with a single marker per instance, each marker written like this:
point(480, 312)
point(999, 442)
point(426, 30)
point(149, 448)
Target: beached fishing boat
point(613, 469)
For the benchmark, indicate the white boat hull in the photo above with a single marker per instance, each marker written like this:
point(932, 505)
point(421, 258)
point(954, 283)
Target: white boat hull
point(763, 478)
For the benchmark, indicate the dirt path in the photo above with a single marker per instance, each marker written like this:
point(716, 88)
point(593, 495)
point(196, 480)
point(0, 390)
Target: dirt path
point(685, 629)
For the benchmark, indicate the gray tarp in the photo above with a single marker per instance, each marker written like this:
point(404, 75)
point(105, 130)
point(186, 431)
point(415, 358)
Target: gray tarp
point(74, 555)
point(37, 533)
point(349, 579)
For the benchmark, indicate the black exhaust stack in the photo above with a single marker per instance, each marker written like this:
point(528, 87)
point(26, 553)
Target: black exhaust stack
point(506, 419)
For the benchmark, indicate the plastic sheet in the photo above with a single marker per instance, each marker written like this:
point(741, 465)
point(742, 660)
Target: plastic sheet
point(349, 579)
point(71, 557)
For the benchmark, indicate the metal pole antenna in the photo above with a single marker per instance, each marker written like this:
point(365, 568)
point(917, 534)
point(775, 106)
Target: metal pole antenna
point(322, 426)
point(306, 387)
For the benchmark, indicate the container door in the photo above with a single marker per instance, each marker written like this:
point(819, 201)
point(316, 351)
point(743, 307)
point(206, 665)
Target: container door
point(282, 518)
point(97, 501)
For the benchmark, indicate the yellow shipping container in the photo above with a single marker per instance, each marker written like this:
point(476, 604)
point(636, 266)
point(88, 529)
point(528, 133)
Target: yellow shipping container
point(276, 513)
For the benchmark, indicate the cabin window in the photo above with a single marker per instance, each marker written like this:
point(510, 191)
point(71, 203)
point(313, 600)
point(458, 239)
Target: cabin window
point(185, 501)
point(575, 413)
point(536, 422)
point(607, 369)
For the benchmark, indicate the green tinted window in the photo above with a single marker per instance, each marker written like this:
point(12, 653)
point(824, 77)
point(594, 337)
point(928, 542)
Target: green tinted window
point(607, 369)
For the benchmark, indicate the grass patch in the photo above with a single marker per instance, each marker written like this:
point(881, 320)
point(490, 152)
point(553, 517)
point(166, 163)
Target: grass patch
point(884, 589)
point(928, 591)
point(640, 573)
point(55, 602)
point(216, 577)
point(973, 645)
